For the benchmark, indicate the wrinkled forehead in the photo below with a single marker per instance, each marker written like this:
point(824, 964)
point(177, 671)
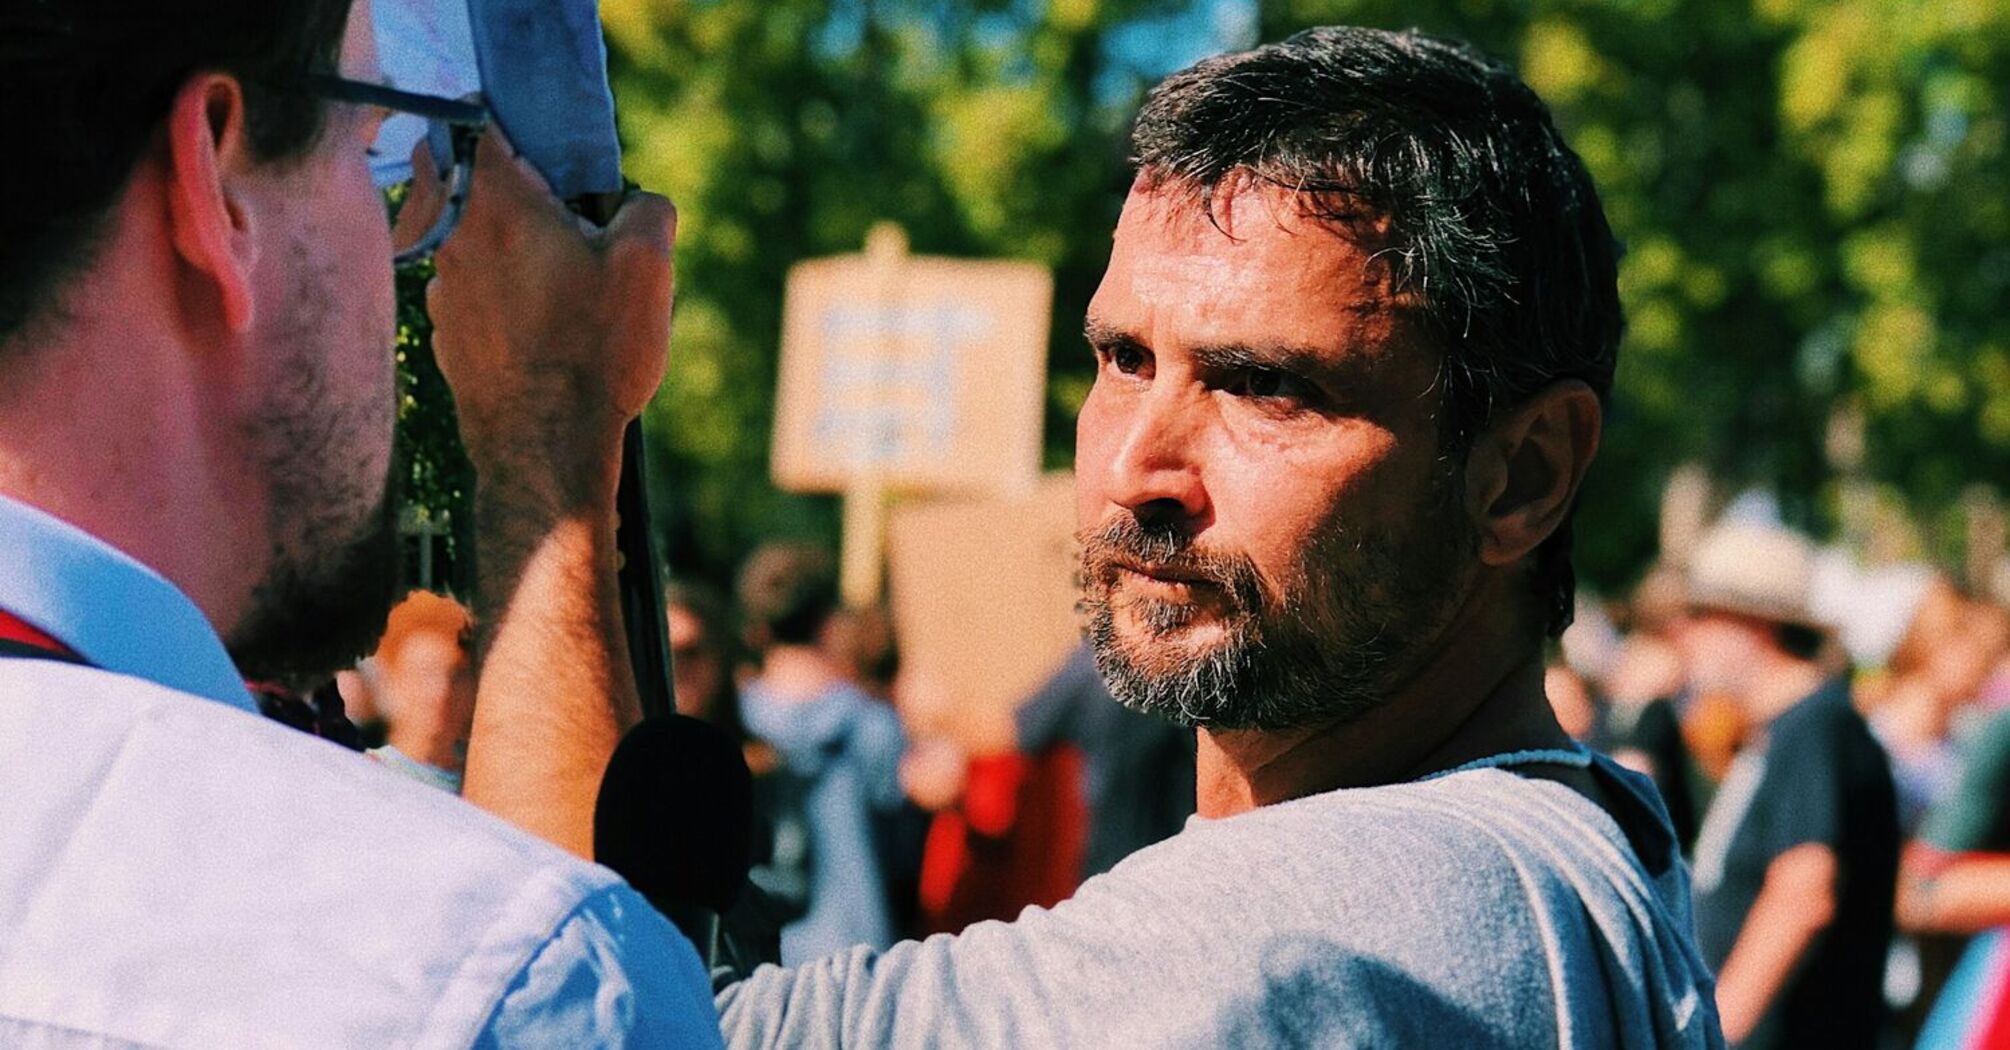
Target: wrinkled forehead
point(1254, 263)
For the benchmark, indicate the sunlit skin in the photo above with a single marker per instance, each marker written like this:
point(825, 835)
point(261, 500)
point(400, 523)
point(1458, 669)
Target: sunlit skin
point(1258, 377)
point(222, 283)
point(430, 691)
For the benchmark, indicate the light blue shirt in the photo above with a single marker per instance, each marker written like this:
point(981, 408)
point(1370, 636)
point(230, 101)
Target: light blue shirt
point(846, 746)
point(177, 871)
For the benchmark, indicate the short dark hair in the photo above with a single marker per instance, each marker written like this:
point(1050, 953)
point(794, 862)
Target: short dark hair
point(1482, 212)
point(87, 84)
point(788, 592)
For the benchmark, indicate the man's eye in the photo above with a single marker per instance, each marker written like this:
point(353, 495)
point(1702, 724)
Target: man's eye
point(1128, 359)
point(1271, 383)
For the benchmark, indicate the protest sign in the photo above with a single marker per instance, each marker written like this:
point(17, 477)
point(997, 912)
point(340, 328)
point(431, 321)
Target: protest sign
point(984, 601)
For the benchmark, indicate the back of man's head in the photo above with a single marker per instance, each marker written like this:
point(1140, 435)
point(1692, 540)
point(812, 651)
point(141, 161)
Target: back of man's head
point(788, 593)
point(1448, 166)
point(197, 310)
point(87, 84)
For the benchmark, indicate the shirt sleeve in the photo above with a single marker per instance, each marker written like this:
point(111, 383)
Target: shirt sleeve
point(1803, 788)
point(1210, 940)
point(613, 974)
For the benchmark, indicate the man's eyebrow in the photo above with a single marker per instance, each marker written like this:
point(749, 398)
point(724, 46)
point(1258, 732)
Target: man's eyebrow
point(1324, 366)
point(1309, 362)
point(1102, 334)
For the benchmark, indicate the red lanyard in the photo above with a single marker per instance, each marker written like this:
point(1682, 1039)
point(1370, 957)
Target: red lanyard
point(18, 637)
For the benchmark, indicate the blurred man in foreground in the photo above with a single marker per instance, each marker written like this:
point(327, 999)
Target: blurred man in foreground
point(1797, 858)
point(196, 406)
point(1358, 322)
point(425, 686)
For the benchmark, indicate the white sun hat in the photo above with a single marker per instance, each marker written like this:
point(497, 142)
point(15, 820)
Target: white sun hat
point(1757, 569)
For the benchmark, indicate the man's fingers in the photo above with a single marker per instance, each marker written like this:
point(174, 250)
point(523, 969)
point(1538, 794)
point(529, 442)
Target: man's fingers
point(498, 167)
point(646, 219)
point(423, 202)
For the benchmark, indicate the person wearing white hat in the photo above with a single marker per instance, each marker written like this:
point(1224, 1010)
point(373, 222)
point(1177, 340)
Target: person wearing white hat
point(1798, 853)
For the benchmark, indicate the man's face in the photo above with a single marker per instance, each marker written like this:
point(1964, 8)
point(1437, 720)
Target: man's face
point(694, 664)
point(431, 683)
point(1722, 650)
point(1272, 536)
point(318, 428)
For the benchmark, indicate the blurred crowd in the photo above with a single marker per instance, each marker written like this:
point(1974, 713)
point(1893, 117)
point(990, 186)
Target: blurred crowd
point(875, 823)
point(1833, 745)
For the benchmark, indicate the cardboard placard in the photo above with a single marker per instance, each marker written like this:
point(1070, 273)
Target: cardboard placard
point(984, 598)
point(912, 373)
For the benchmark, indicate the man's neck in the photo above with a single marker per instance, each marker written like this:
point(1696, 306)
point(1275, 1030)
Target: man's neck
point(1481, 695)
point(58, 473)
point(1239, 771)
point(106, 427)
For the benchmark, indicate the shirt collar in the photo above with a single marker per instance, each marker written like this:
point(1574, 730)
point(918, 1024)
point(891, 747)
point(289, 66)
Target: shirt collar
point(117, 614)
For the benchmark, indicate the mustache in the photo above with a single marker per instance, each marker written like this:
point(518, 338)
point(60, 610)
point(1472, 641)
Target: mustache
point(1165, 547)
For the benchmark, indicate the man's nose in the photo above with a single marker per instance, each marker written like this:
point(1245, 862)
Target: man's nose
point(1157, 469)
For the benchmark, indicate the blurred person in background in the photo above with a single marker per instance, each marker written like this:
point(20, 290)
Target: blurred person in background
point(1570, 698)
point(357, 687)
point(1921, 705)
point(843, 743)
point(861, 642)
point(704, 658)
point(1796, 862)
point(1955, 881)
point(424, 688)
point(1643, 729)
point(1007, 827)
point(1617, 692)
point(197, 411)
point(1137, 770)
point(1935, 674)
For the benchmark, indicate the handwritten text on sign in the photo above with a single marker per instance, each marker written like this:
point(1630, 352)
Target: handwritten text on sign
point(926, 375)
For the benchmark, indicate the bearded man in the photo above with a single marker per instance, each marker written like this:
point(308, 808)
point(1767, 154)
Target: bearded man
point(1358, 324)
point(196, 408)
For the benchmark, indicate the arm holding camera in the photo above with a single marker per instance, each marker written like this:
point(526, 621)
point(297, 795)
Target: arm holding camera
point(553, 335)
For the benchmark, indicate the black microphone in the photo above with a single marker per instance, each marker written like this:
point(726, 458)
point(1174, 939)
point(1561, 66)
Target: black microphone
point(675, 817)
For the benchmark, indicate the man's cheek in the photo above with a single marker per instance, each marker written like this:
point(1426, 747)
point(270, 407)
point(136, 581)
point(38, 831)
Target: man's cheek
point(1091, 462)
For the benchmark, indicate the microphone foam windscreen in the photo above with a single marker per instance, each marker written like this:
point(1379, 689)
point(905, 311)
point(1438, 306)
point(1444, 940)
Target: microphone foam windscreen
point(675, 813)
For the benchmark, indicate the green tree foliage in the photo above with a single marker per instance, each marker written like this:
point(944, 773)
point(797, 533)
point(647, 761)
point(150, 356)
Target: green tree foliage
point(784, 129)
point(1813, 194)
point(435, 475)
point(1815, 204)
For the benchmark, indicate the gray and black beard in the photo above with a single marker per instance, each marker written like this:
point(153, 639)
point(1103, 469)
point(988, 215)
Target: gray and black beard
point(1357, 619)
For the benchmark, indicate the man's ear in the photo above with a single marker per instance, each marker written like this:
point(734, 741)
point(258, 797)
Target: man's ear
point(209, 213)
point(1523, 472)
